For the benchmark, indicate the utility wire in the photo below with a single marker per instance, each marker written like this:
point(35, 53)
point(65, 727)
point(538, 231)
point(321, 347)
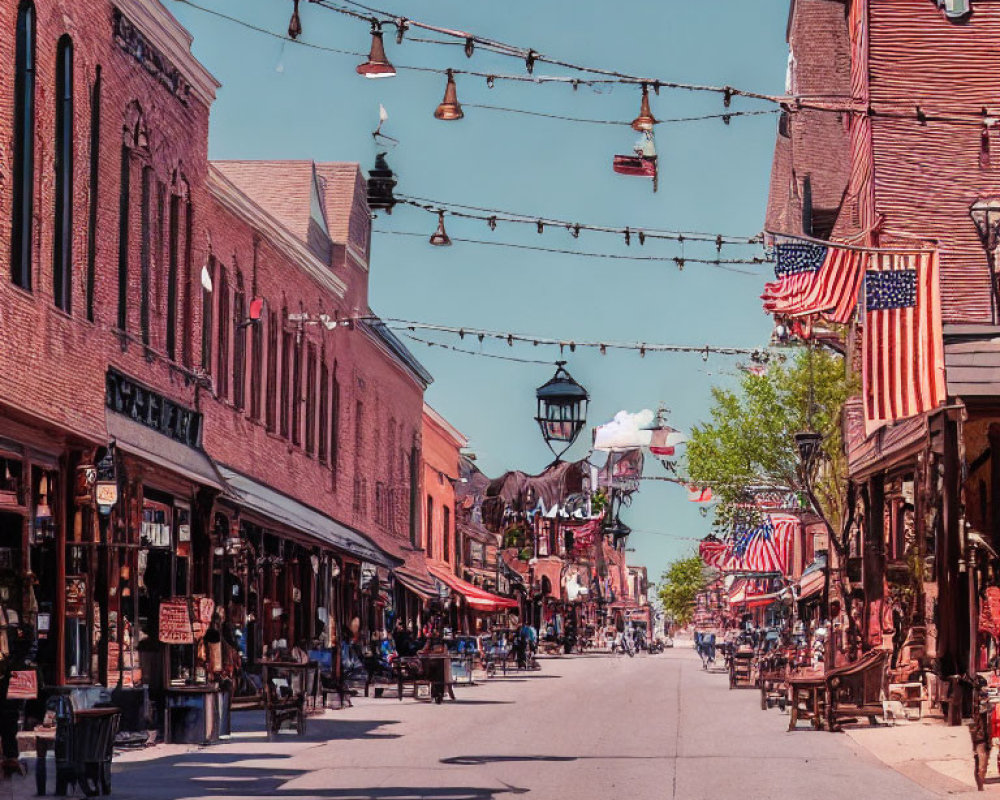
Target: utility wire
point(678, 261)
point(837, 104)
point(480, 353)
point(396, 323)
point(724, 117)
point(491, 216)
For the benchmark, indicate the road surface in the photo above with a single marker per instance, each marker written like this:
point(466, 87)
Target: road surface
point(584, 727)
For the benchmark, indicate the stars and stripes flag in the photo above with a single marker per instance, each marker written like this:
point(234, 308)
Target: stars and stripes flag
point(815, 278)
point(903, 350)
point(714, 552)
point(755, 550)
point(785, 528)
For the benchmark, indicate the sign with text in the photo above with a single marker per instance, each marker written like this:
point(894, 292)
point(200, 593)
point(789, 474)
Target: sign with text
point(175, 621)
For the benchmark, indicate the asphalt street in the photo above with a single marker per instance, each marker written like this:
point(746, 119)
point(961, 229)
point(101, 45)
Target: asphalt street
point(582, 727)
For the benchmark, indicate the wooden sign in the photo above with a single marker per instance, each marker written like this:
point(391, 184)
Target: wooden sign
point(175, 622)
point(23, 685)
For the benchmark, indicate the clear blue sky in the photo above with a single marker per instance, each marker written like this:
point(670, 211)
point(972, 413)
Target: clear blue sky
point(285, 101)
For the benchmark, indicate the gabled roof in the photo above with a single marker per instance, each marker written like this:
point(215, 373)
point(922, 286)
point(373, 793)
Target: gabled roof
point(342, 184)
point(282, 188)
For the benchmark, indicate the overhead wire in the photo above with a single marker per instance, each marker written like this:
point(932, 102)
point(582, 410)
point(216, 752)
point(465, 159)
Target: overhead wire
point(480, 353)
point(493, 215)
point(839, 104)
point(679, 261)
point(399, 324)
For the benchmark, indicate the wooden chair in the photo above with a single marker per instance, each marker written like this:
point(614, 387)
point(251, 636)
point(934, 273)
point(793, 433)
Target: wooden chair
point(856, 690)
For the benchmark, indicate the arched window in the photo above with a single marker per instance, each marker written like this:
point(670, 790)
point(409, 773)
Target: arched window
point(62, 267)
point(134, 140)
point(24, 146)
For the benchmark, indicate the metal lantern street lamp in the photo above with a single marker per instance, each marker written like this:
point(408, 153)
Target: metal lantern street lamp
point(562, 410)
point(807, 443)
point(985, 213)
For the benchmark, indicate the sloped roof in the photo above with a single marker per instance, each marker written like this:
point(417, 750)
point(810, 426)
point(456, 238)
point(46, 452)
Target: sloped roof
point(282, 188)
point(342, 184)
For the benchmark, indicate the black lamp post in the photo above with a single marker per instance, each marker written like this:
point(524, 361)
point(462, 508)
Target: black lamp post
point(807, 443)
point(381, 182)
point(985, 213)
point(562, 410)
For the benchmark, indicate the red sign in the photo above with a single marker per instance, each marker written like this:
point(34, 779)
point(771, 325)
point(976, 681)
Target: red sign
point(175, 622)
point(23, 685)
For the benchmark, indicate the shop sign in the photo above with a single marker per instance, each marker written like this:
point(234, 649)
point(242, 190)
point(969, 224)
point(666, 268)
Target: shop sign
point(107, 496)
point(182, 619)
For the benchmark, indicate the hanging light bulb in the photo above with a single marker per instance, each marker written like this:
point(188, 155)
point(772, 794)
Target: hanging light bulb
point(449, 108)
point(295, 24)
point(440, 237)
point(470, 47)
point(377, 65)
point(645, 121)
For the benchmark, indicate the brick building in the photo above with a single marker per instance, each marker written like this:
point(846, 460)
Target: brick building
point(449, 537)
point(195, 399)
point(907, 153)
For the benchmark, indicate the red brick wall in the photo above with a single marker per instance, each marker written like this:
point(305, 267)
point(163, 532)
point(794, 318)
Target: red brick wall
point(52, 365)
point(440, 467)
point(927, 176)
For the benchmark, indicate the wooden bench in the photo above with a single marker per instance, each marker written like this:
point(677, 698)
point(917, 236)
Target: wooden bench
point(856, 690)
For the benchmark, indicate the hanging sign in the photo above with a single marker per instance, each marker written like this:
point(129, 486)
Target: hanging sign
point(175, 622)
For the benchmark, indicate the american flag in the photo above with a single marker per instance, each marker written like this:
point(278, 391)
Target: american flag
point(903, 349)
point(785, 527)
point(754, 550)
point(815, 278)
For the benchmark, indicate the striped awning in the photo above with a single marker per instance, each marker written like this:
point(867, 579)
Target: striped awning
point(476, 598)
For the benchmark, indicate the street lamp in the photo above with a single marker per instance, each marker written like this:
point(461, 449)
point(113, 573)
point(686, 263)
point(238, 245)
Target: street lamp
point(807, 443)
point(562, 410)
point(985, 213)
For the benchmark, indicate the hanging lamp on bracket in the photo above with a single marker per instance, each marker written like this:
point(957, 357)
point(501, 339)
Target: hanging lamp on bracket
point(449, 108)
point(377, 65)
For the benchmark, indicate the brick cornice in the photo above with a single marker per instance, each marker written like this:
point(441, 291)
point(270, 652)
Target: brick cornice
point(173, 40)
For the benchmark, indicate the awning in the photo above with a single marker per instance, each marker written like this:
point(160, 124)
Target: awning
point(136, 439)
point(293, 514)
point(476, 532)
point(813, 579)
point(413, 583)
point(478, 599)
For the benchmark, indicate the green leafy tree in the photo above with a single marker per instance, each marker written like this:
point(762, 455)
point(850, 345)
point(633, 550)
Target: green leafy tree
point(679, 585)
point(749, 439)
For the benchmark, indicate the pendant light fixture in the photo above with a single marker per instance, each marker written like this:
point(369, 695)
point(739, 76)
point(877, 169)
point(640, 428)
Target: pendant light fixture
point(440, 237)
point(645, 121)
point(295, 24)
point(377, 65)
point(449, 108)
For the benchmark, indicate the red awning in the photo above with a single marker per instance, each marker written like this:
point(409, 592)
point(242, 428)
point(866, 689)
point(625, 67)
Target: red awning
point(478, 599)
point(812, 583)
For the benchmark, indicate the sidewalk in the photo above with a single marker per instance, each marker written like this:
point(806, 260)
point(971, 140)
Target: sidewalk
point(930, 753)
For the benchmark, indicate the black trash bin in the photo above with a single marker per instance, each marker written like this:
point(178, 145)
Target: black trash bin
point(85, 741)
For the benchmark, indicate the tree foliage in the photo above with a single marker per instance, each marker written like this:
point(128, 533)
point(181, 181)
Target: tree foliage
point(679, 585)
point(748, 440)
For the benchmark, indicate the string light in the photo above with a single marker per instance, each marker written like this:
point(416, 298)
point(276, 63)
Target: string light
point(440, 237)
point(900, 108)
point(493, 215)
point(480, 353)
point(590, 121)
point(759, 355)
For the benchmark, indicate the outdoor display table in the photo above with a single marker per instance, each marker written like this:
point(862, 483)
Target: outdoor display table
point(809, 691)
point(191, 715)
point(740, 668)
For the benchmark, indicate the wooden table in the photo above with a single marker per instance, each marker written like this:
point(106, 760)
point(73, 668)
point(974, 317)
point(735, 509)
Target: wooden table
point(810, 690)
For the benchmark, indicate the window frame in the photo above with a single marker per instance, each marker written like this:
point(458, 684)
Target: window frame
point(62, 241)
